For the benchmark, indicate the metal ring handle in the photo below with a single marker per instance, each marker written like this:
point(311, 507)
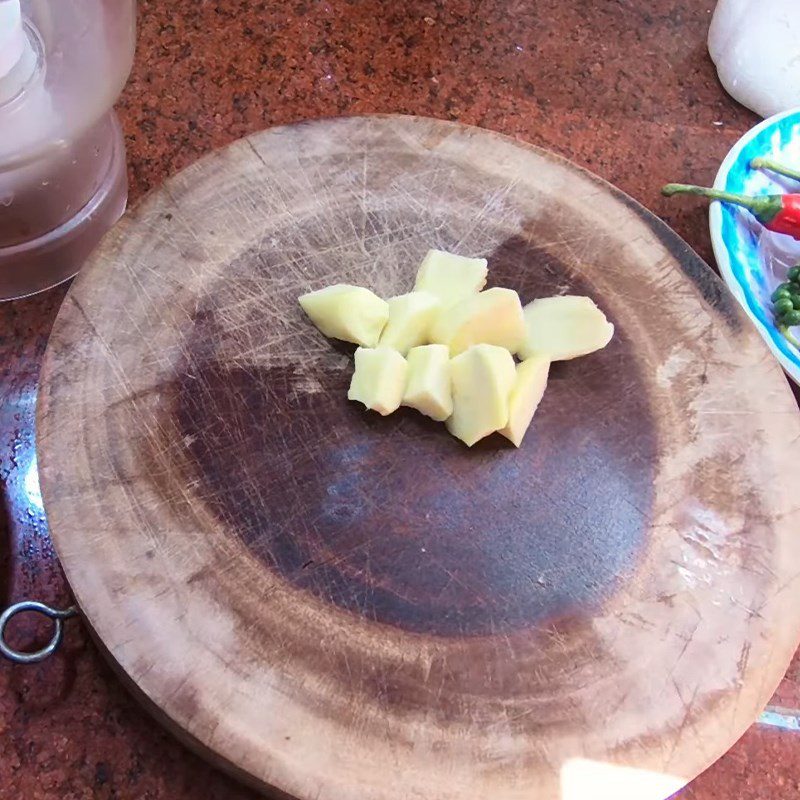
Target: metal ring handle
point(54, 614)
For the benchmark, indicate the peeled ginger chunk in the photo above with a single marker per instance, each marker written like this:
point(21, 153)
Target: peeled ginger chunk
point(350, 313)
point(429, 387)
point(525, 397)
point(483, 378)
point(490, 317)
point(450, 277)
point(564, 327)
point(410, 319)
point(379, 379)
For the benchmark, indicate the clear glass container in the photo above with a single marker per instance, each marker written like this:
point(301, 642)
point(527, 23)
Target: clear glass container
point(63, 64)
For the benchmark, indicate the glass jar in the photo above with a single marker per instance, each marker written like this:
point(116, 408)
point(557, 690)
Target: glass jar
point(63, 183)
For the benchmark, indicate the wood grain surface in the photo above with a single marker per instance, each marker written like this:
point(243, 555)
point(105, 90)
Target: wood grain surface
point(338, 606)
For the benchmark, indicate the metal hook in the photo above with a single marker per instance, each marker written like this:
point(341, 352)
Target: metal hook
point(55, 614)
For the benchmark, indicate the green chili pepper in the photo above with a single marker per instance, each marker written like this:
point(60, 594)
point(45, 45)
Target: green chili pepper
point(783, 305)
point(791, 318)
point(784, 290)
point(788, 336)
point(774, 166)
point(776, 212)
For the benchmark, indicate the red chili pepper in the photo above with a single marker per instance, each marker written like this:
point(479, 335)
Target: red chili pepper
point(776, 212)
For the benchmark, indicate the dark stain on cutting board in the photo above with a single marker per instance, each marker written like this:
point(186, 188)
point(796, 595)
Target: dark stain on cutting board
point(393, 519)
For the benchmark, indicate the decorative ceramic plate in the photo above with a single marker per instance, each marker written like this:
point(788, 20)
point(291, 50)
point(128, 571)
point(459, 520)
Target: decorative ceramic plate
point(752, 260)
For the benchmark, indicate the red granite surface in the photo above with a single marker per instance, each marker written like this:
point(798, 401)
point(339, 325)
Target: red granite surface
point(622, 87)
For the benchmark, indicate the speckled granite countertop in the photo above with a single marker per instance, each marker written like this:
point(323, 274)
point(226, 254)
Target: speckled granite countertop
point(622, 87)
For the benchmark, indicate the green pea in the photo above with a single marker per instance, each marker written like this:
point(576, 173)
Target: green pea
point(794, 274)
point(783, 305)
point(791, 318)
point(784, 290)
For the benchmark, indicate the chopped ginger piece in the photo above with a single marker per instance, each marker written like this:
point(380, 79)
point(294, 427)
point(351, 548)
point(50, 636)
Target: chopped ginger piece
point(525, 397)
point(379, 379)
point(490, 317)
point(482, 377)
point(410, 318)
point(350, 313)
point(564, 327)
point(429, 388)
point(450, 277)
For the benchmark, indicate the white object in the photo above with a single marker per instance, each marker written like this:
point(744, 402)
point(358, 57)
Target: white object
point(13, 41)
point(755, 45)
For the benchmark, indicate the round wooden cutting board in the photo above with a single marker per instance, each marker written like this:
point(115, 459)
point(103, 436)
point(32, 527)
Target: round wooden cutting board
point(339, 606)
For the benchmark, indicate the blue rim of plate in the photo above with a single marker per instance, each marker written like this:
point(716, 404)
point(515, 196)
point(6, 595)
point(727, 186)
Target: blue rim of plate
point(735, 249)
